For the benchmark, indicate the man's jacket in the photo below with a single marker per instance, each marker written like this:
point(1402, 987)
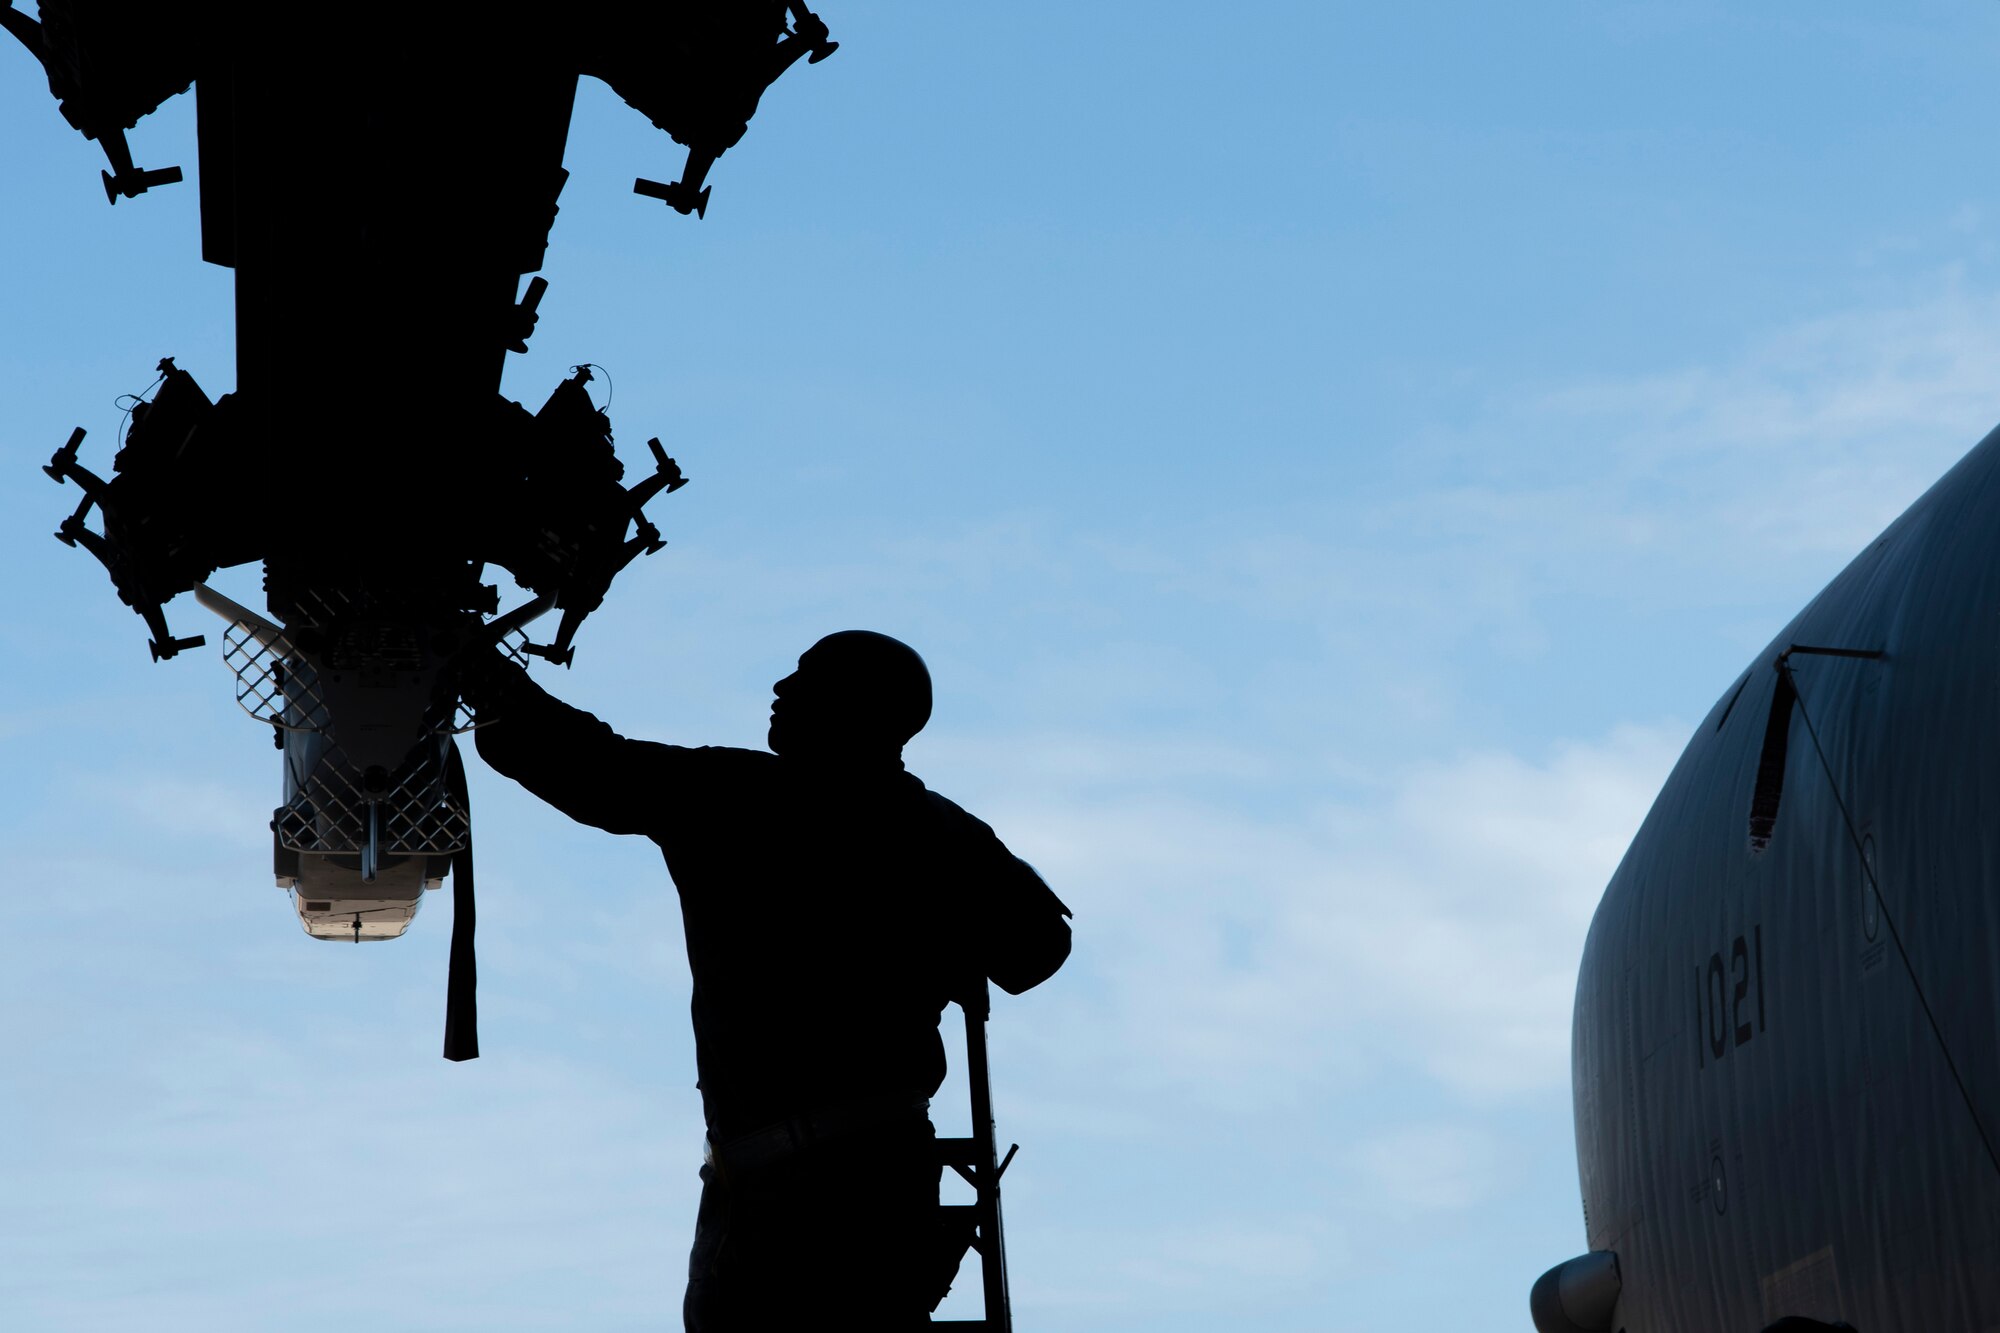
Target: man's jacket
point(831, 911)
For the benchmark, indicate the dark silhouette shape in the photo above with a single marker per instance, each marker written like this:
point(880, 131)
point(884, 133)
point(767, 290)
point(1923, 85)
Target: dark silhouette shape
point(832, 906)
point(381, 193)
point(109, 70)
point(856, 694)
point(727, 91)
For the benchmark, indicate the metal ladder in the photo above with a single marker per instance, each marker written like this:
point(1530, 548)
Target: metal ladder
point(974, 1160)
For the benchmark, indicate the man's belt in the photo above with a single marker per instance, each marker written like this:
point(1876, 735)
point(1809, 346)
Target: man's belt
point(768, 1144)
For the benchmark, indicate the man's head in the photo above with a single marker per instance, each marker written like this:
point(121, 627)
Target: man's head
point(856, 695)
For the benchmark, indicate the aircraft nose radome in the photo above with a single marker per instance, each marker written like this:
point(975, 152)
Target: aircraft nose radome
point(1577, 1296)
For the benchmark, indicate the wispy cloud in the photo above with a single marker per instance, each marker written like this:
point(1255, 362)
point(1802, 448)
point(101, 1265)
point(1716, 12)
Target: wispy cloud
point(1426, 1168)
point(1245, 961)
point(189, 808)
point(1233, 1263)
point(1805, 441)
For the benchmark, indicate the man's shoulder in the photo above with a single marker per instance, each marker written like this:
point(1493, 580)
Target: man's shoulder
point(950, 815)
point(938, 801)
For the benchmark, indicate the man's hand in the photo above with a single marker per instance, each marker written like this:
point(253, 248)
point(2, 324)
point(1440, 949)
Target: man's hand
point(487, 680)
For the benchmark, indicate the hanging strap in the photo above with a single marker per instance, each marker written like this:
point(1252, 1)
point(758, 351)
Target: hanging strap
point(461, 987)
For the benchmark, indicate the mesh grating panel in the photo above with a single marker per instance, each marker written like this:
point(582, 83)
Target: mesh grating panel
point(268, 687)
point(416, 817)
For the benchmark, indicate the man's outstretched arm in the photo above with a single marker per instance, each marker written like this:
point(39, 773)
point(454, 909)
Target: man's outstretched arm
point(566, 756)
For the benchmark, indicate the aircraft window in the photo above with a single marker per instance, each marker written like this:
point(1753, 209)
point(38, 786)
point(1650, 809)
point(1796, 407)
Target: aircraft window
point(1771, 764)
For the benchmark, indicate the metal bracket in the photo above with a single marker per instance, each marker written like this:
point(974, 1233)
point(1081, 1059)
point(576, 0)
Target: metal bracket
point(684, 196)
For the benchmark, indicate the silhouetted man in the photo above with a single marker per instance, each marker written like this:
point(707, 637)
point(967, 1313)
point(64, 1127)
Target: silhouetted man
point(832, 906)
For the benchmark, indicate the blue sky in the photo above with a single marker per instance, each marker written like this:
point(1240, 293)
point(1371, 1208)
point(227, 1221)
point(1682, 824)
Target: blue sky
point(1330, 456)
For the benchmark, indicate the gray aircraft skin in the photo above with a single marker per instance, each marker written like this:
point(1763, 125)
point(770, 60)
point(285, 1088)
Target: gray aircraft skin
point(1768, 1123)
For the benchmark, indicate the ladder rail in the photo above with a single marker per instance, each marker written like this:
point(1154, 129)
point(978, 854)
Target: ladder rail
point(977, 1161)
point(986, 1164)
